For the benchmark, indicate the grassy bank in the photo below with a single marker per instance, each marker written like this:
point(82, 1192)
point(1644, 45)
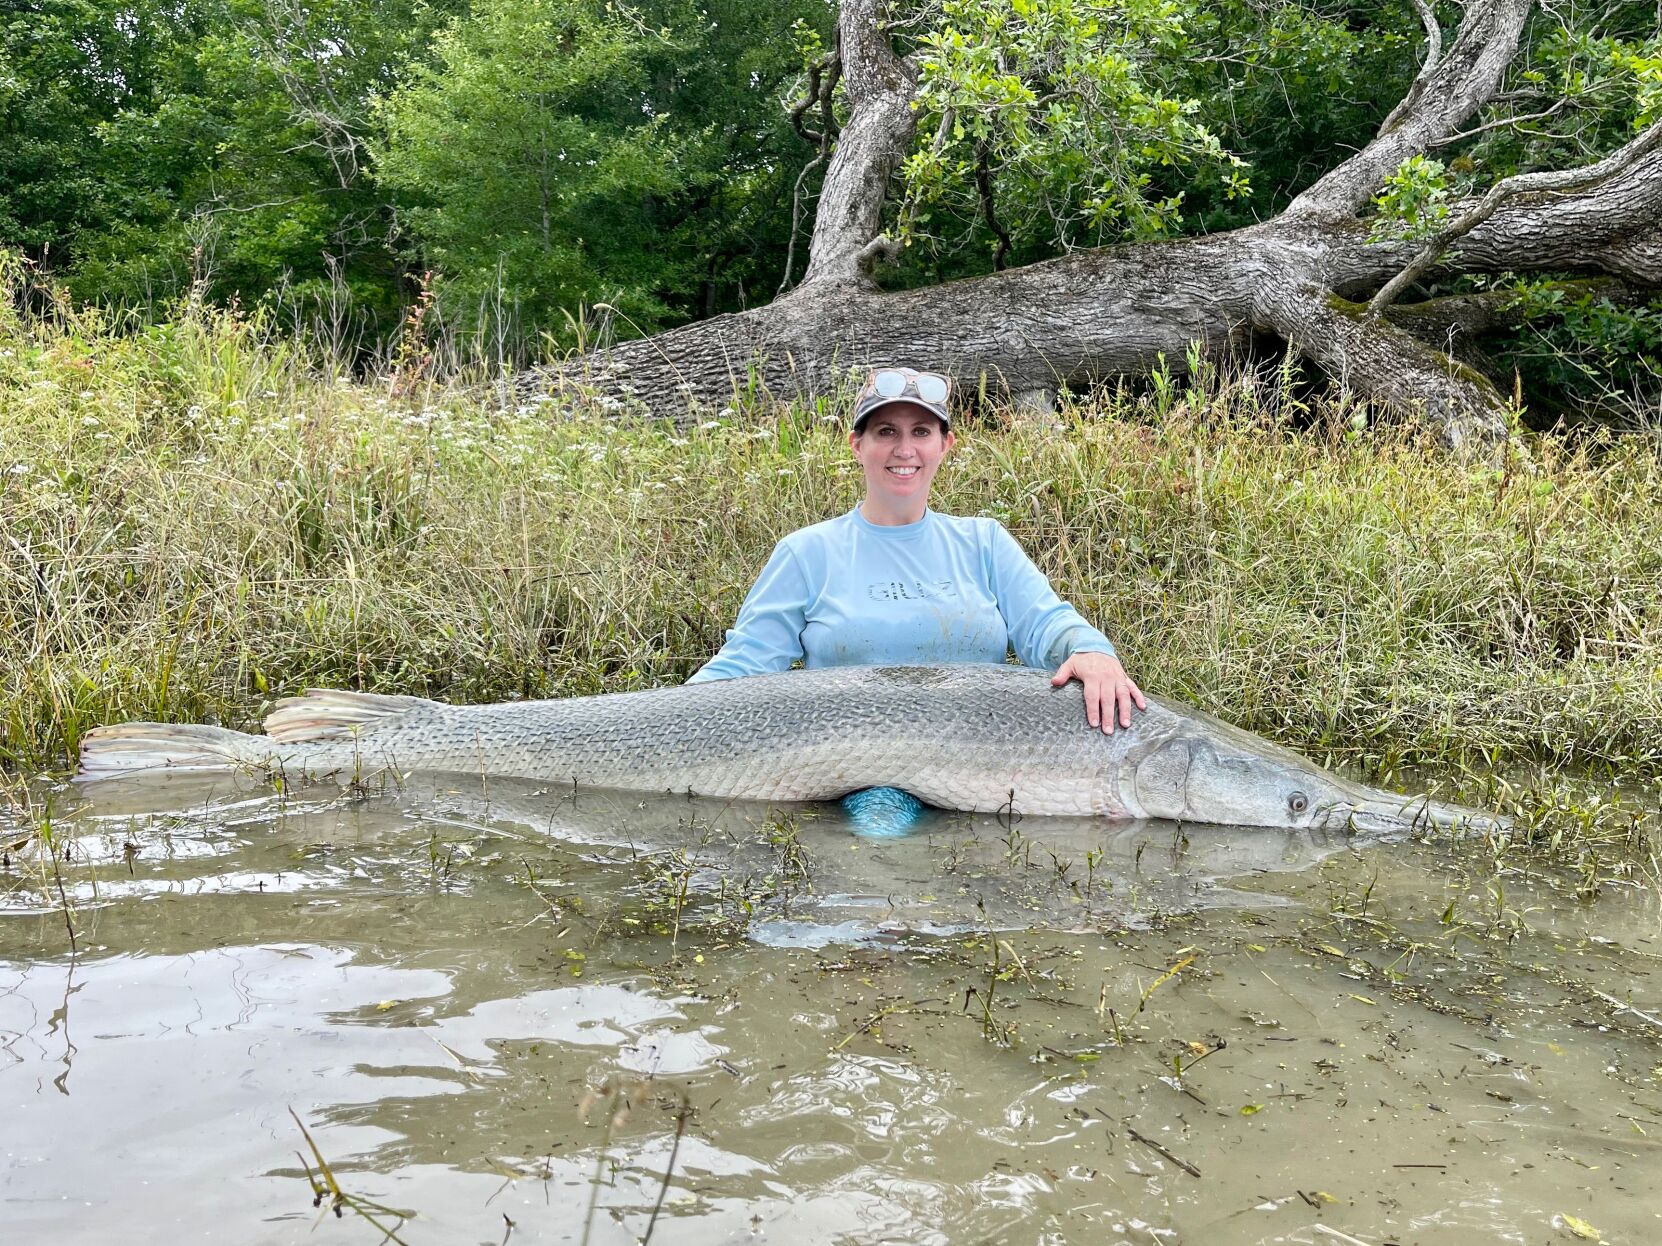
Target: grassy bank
point(195, 521)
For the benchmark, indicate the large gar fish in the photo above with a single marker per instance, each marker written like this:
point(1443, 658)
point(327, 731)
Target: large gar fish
point(980, 738)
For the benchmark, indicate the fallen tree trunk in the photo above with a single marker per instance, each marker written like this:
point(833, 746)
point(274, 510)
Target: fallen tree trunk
point(1303, 276)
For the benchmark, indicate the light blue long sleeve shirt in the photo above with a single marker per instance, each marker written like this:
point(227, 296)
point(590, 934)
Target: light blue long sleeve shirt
point(849, 592)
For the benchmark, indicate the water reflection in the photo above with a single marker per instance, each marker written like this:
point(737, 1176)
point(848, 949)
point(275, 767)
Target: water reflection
point(497, 1002)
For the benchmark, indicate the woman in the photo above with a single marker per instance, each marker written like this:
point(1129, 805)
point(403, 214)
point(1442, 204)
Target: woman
point(896, 583)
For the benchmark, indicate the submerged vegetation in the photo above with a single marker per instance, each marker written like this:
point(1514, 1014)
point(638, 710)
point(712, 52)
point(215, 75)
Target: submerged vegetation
point(200, 516)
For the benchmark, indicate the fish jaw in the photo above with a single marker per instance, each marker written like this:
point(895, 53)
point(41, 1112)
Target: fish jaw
point(1374, 812)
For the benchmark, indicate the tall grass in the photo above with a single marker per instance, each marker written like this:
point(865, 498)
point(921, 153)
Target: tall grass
point(194, 521)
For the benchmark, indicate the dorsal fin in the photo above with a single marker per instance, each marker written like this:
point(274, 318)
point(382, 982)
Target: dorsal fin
point(331, 714)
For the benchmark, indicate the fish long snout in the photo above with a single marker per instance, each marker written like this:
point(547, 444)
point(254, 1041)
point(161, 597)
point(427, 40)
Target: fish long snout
point(1384, 813)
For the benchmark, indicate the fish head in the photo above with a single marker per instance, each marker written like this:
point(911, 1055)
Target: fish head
point(1219, 774)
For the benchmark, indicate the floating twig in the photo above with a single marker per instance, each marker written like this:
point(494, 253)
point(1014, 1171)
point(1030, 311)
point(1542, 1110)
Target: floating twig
point(1184, 1164)
point(1338, 1236)
point(880, 1015)
point(1621, 1007)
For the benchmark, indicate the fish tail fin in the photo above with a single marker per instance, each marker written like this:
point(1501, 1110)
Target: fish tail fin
point(321, 714)
point(129, 748)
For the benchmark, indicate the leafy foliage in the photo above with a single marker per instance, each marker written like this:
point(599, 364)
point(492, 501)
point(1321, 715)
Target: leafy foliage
point(1414, 202)
point(216, 143)
point(1287, 86)
point(1586, 351)
point(563, 152)
point(227, 147)
point(1583, 85)
point(519, 154)
point(1053, 111)
point(540, 156)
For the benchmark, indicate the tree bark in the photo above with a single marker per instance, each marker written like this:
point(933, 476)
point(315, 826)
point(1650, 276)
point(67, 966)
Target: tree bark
point(871, 146)
point(1538, 185)
point(1096, 314)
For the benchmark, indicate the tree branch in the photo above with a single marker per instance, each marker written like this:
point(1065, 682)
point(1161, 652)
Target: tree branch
point(1441, 322)
point(984, 187)
point(1558, 181)
point(822, 85)
point(822, 82)
point(1091, 315)
point(1385, 363)
point(881, 247)
point(1459, 84)
point(1433, 54)
point(879, 87)
point(1498, 122)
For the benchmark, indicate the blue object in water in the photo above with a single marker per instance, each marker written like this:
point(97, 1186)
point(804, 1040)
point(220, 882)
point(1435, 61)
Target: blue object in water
point(883, 812)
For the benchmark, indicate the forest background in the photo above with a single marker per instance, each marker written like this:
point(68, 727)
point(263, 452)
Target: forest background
point(513, 165)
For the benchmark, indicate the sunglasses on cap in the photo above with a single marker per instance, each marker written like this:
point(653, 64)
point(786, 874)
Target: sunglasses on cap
point(930, 387)
point(928, 390)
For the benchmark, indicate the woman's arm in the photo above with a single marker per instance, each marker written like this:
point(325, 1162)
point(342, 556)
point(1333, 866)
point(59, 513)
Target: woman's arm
point(767, 636)
point(1046, 631)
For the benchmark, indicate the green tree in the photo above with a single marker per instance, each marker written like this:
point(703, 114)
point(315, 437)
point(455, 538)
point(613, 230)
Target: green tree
point(215, 141)
point(1042, 124)
point(67, 68)
point(249, 171)
point(565, 152)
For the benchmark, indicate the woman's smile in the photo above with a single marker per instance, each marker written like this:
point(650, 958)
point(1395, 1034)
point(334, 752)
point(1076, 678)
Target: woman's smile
point(900, 447)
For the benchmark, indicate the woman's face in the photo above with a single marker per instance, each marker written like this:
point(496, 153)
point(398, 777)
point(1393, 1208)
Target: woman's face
point(900, 447)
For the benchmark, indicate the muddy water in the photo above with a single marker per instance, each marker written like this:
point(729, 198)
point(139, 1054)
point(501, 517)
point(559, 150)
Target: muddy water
point(505, 1014)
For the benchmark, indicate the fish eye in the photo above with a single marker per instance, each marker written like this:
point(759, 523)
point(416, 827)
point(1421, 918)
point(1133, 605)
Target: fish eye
point(1298, 802)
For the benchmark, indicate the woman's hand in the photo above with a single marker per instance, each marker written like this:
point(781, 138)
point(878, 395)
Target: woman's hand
point(1109, 692)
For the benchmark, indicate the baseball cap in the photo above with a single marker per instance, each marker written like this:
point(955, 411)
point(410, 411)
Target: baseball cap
point(886, 386)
